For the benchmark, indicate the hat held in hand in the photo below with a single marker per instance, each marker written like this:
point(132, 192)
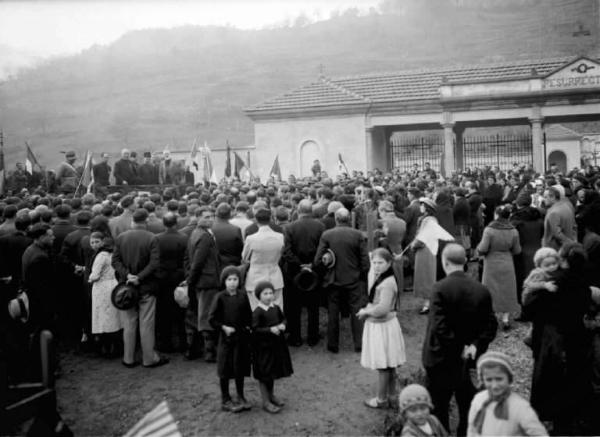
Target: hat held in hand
point(124, 296)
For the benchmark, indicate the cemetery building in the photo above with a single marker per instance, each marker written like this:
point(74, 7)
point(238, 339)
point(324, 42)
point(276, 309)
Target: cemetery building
point(451, 117)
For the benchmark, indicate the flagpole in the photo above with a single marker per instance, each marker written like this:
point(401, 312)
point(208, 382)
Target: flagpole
point(82, 173)
point(3, 169)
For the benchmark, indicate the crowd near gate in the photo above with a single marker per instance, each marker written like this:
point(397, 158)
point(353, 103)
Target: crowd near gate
point(408, 150)
point(497, 150)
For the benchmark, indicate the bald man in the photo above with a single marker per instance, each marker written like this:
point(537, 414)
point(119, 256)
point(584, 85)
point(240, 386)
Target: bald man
point(345, 281)
point(461, 326)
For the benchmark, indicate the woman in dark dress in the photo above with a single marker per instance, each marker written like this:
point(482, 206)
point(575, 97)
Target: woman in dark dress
point(530, 225)
point(230, 316)
point(561, 344)
point(271, 359)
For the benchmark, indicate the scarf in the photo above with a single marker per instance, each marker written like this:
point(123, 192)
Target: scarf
point(501, 224)
point(500, 410)
point(378, 280)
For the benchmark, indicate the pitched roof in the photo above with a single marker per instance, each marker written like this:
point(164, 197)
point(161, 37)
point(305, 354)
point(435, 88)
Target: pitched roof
point(423, 84)
point(558, 131)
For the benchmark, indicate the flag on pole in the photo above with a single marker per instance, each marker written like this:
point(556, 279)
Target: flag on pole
point(87, 177)
point(241, 170)
point(31, 161)
point(2, 169)
point(342, 165)
point(157, 423)
point(209, 170)
point(192, 163)
point(275, 170)
point(443, 165)
point(228, 162)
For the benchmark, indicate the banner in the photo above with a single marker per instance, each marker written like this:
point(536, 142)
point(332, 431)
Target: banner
point(87, 178)
point(275, 170)
point(192, 162)
point(31, 161)
point(342, 165)
point(228, 162)
point(241, 170)
point(209, 171)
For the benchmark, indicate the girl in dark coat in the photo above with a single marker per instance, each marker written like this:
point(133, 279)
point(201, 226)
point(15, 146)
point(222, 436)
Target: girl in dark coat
point(560, 381)
point(271, 359)
point(230, 315)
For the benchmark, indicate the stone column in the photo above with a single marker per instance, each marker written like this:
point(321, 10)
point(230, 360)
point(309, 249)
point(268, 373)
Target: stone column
point(459, 155)
point(369, 148)
point(449, 164)
point(537, 140)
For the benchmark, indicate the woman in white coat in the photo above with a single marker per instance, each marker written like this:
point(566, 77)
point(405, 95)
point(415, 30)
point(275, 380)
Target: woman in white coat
point(262, 251)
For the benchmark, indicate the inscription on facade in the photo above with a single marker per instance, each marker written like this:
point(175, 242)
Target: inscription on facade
point(572, 82)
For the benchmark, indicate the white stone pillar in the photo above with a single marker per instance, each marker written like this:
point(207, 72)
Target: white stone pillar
point(449, 159)
point(369, 148)
point(537, 140)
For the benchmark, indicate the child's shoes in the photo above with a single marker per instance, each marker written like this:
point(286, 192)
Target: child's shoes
point(270, 408)
point(231, 407)
point(242, 402)
point(278, 403)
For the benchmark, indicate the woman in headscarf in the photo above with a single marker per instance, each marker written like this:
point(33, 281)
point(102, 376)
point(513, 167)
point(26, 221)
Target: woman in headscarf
point(426, 246)
point(498, 245)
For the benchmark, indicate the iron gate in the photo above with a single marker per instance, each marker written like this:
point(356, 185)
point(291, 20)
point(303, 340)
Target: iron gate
point(500, 150)
point(419, 149)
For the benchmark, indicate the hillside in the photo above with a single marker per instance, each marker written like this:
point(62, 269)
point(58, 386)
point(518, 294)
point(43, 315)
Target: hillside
point(167, 86)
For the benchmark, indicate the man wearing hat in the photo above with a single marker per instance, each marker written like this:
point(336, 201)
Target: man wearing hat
point(461, 326)
point(148, 171)
point(301, 240)
point(67, 176)
point(135, 260)
point(346, 279)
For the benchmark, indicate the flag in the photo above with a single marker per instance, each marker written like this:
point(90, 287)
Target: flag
point(157, 423)
point(31, 161)
point(342, 165)
point(192, 163)
point(209, 170)
point(2, 171)
point(87, 177)
point(241, 170)
point(275, 170)
point(228, 162)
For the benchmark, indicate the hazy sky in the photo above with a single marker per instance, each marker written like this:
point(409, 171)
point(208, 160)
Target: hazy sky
point(63, 27)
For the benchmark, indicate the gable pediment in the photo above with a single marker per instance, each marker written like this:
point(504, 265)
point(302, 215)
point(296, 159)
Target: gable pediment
point(581, 73)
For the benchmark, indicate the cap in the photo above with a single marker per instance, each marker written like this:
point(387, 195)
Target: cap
point(70, 154)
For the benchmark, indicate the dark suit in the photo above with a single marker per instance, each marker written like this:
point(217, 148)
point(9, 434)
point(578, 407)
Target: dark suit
point(460, 314)
point(101, 173)
point(75, 315)
point(148, 174)
point(136, 252)
point(39, 280)
point(12, 247)
point(346, 281)
point(301, 242)
point(171, 247)
point(124, 172)
point(229, 242)
point(203, 281)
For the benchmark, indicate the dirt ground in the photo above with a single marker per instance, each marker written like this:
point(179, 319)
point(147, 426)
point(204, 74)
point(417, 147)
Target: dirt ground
point(99, 397)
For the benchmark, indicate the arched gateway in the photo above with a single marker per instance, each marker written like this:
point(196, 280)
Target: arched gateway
point(453, 118)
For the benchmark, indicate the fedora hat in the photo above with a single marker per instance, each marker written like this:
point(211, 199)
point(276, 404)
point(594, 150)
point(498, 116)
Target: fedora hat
point(124, 296)
point(329, 259)
point(181, 296)
point(306, 280)
point(18, 308)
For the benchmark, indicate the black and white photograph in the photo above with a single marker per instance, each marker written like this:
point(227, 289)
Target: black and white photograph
point(299, 218)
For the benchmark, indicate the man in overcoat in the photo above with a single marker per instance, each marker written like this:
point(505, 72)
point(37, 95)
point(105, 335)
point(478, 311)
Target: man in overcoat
point(301, 242)
point(346, 280)
point(203, 282)
point(228, 237)
point(135, 260)
point(461, 326)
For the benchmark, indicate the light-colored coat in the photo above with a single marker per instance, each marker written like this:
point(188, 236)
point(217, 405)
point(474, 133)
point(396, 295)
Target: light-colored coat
point(559, 225)
point(121, 223)
point(522, 419)
point(263, 249)
point(498, 247)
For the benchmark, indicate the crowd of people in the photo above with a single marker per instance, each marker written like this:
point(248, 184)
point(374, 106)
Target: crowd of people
point(223, 272)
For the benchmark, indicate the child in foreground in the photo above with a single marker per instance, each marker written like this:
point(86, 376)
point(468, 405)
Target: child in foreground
point(230, 315)
point(546, 261)
point(271, 359)
point(415, 414)
point(497, 410)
